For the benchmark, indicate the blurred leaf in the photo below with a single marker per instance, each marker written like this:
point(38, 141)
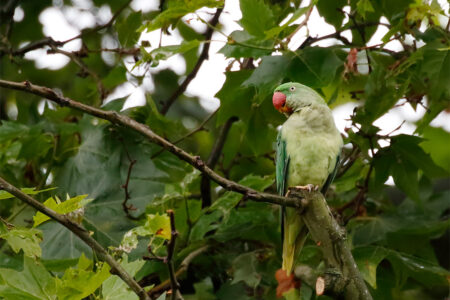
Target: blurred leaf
point(11, 130)
point(242, 44)
point(25, 239)
point(164, 52)
point(176, 10)
point(363, 7)
point(204, 290)
point(314, 66)
point(235, 100)
point(114, 288)
point(368, 259)
point(127, 29)
point(33, 282)
point(269, 74)
point(257, 17)
point(80, 282)
point(329, 9)
point(244, 267)
point(28, 191)
point(436, 141)
point(115, 77)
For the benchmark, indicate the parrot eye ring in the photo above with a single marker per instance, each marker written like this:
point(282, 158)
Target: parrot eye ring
point(292, 88)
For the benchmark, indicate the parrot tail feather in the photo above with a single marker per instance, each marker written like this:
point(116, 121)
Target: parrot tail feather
point(295, 234)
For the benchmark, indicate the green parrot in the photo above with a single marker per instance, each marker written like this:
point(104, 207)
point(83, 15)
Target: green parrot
point(308, 150)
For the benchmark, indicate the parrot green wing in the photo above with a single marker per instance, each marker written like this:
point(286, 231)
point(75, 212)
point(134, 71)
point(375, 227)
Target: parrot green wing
point(282, 165)
point(330, 177)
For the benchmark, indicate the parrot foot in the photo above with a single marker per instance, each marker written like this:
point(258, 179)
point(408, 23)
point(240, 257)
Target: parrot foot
point(308, 187)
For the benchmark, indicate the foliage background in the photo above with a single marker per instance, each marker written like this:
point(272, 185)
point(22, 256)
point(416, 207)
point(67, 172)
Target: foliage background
point(399, 233)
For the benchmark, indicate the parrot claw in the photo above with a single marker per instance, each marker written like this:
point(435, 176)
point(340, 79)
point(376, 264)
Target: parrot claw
point(308, 187)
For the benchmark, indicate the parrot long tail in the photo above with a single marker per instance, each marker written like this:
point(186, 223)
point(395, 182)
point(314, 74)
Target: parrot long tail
point(295, 233)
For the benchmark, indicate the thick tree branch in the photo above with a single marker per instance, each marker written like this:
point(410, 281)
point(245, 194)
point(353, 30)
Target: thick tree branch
point(205, 185)
point(330, 237)
point(203, 56)
point(121, 120)
point(79, 231)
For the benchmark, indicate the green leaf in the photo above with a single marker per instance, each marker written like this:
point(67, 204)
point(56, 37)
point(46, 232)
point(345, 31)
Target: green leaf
point(159, 225)
point(234, 99)
point(242, 44)
point(314, 66)
point(268, 75)
point(114, 288)
point(408, 147)
point(436, 141)
point(68, 206)
point(164, 52)
point(28, 191)
point(363, 7)
point(78, 283)
point(329, 9)
point(381, 95)
point(26, 239)
point(204, 290)
point(205, 224)
point(115, 77)
point(127, 29)
point(257, 17)
point(32, 283)
point(176, 10)
point(35, 145)
point(11, 130)
point(244, 267)
point(156, 225)
point(368, 259)
point(230, 199)
point(275, 31)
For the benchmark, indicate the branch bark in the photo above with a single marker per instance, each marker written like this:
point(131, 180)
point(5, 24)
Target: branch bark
point(203, 56)
point(121, 120)
point(82, 233)
point(332, 240)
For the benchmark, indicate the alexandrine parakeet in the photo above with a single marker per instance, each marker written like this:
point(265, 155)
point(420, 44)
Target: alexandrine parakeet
point(308, 149)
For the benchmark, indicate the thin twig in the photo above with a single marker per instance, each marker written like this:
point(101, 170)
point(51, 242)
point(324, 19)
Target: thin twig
point(300, 26)
point(122, 120)
point(126, 208)
point(205, 185)
point(182, 269)
point(174, 285)
point(84, 69)
point(79, 231)
point(48, 41)
point(203, 56)
point(199, 128)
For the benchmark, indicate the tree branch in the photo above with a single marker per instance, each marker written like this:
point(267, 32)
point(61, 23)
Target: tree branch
point(79, 231)
point(126, 208)
point(330, 237)
point(48, 41)
point(197, 129)
point(121, 120)
point(182, 269)
point(174, 285)
point(203, 56)
point(205, 185)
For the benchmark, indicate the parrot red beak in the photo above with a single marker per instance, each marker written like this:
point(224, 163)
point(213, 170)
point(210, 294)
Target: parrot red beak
point(279, 102)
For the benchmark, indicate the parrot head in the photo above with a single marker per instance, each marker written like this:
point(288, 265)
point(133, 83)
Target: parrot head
point(292, 96)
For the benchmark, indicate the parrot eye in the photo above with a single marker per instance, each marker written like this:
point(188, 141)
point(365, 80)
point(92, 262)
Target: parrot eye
point(292, 88)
